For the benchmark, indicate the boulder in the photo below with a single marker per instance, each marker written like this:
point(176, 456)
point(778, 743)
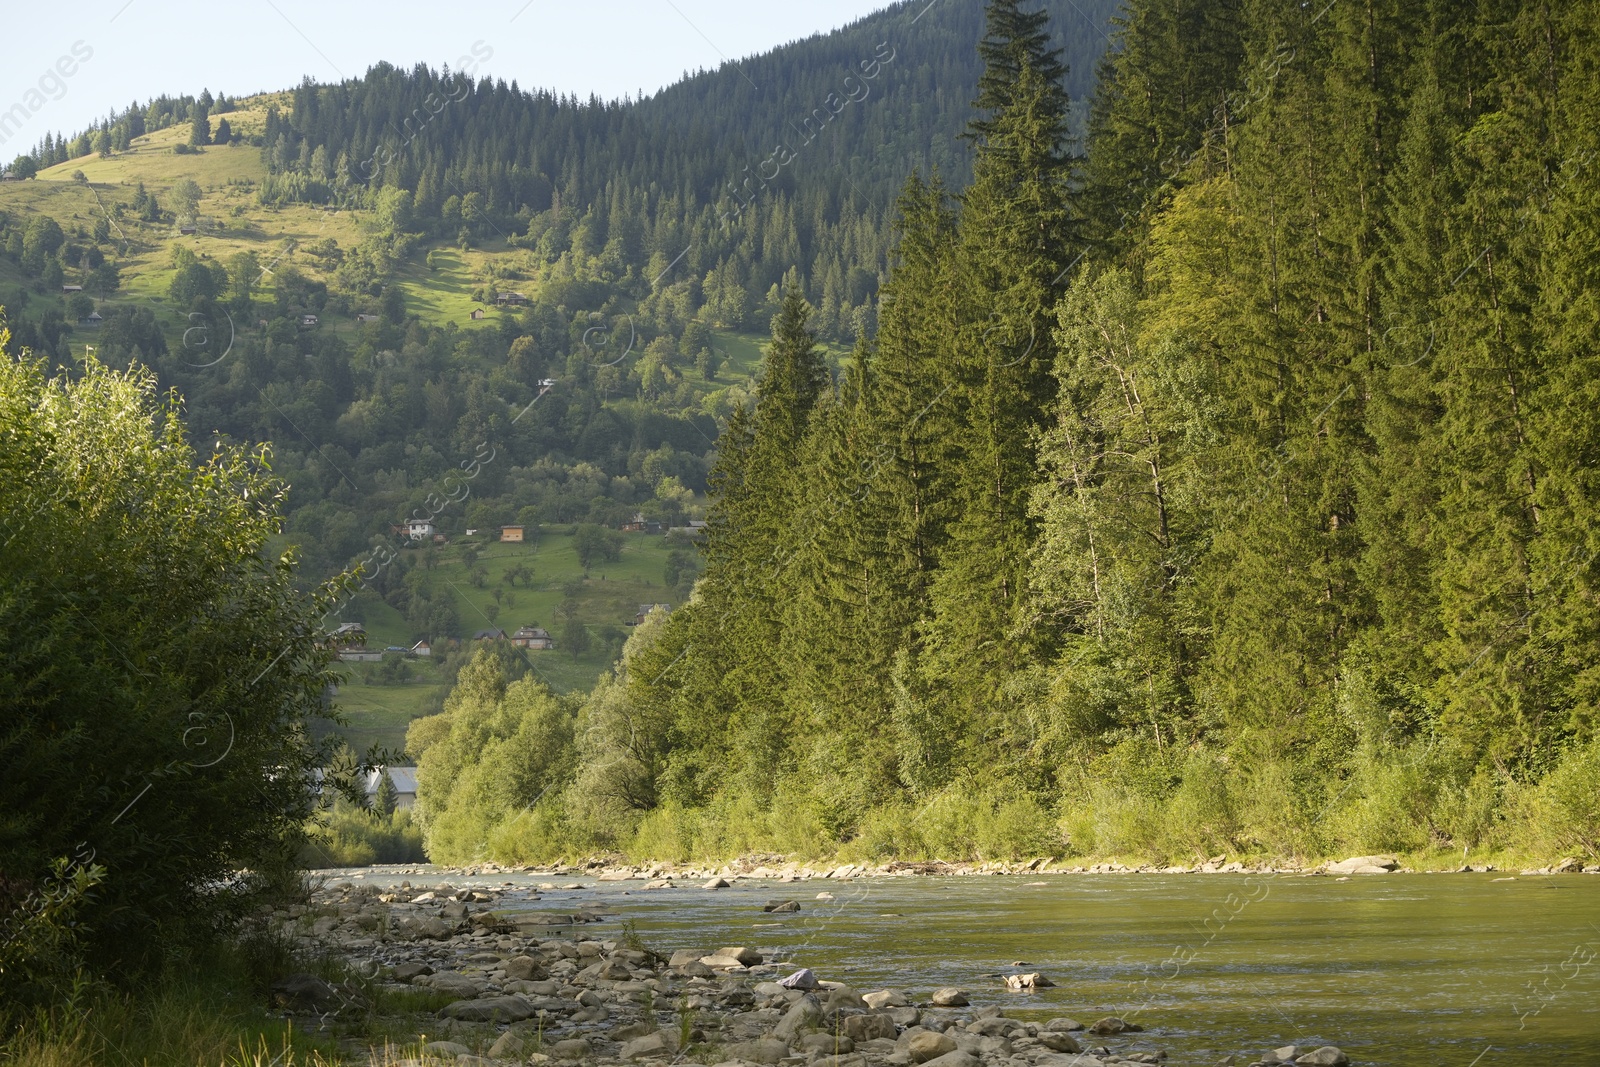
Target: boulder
point(632, 1030)
point(572, 1048)
point(1358, 864)
point(1059, 1042)
point(720, 962)
point(524, 969)
point(1286, 1054)
point(828, 1044)
point(306, 992)
point(956, 1058)
point(508, 1046)
point(749, 957)
point(929, 1045)
point(717, 883)
point(802, 1015)
point(885, 998)
point(614, 970)
point(843, 998)
point(1062, 1023)
point(907, 1016)
point(1024, 982)
point(781, 907)
point(652, 1044)
point(1326, 1056)
point(405, 972)
point(994, 1026)
point(1113, 1025)
point(489, 1010)
point(683, 956)
point(867, 1027)
point(456, 985)
point(762, 1050)
point(949, 997)
point(804, 978)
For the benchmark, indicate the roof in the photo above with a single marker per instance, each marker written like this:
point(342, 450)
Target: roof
point(488, 635)
point(534, 632)
point(404, 778)
point(350, 628)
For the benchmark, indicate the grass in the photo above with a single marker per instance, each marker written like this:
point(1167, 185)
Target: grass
point(609, 595)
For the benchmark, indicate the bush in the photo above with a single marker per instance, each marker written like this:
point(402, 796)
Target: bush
point(352, 836)
point(162, 672)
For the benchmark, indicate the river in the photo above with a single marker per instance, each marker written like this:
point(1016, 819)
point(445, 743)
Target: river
point(1446, 969)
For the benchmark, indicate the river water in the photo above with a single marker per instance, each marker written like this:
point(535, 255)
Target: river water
point(1445, 969)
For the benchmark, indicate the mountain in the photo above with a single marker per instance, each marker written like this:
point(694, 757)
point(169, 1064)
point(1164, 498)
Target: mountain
point(381, 276)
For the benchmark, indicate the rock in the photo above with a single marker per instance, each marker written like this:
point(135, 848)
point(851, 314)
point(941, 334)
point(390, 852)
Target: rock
point(950, 997)
point(450, 1049)
point(456, 985)
point(1061, 1059)
point(1027, 981)
point(1326, 1056)
point(1568, 865)
point(803, 1014)
point(994, 1026)
point(929, 1046)
point(696, 969)
point(885, 998)
point(1354, 865)
point(660, 883)
point(524, 969)
point(405, 972)
point(1113, 1025)
point(717, 883)
point(801, 979)
point(653, 1044)
point(843, 999)
point(867, 1027)
point(720, 962)
point(306, 992)
point(1059, 1042)
point(781, 907)
point(1063, 1024)
point(907, 1016)
point(828, 1044)
point(684, 956)
point(761, 1050)
point(955, 1058)
point(509, 1046)
point(614, 970)
point(489, 1010)
point(631, 1031)
point(572, 1048)
point(749, 957)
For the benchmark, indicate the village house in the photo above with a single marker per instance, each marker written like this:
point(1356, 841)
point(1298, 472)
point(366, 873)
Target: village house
point(694, 531)
point(72, 288)
point(308, 320)
point(510, 298)
point(478, 313)
point(640, 524)
point(405, 784)
point(533, 637)
point(419, 529)
point(512, 534)
point(348, 633)
point(422, 648)
point(364, 317)
point(646, 609)
point(489, 635)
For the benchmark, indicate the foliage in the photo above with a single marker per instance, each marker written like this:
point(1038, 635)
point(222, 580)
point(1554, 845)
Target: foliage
point(164, 668)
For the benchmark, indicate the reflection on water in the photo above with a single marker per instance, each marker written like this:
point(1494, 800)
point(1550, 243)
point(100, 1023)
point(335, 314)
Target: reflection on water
point(1432, 969)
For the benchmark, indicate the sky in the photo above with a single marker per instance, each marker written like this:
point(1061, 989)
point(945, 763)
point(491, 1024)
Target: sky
point(67, 65)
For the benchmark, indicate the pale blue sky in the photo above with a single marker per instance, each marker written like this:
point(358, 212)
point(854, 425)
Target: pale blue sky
point(143, 48)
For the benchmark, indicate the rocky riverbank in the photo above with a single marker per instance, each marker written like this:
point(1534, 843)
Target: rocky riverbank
point(781, 869)
point(537, 989)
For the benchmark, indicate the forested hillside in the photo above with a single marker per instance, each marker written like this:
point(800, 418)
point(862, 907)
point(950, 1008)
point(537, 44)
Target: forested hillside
point(1232, 492)
point(310, 267)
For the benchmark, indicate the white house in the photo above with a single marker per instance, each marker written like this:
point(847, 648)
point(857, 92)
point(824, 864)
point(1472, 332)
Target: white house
point(420, 529)
point(405, 783)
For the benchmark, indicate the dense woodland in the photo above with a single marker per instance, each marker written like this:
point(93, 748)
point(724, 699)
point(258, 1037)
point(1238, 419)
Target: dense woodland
point(594, 201)
point(1233, 490)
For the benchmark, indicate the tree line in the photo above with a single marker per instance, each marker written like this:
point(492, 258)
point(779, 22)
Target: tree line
point(1226, 490)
